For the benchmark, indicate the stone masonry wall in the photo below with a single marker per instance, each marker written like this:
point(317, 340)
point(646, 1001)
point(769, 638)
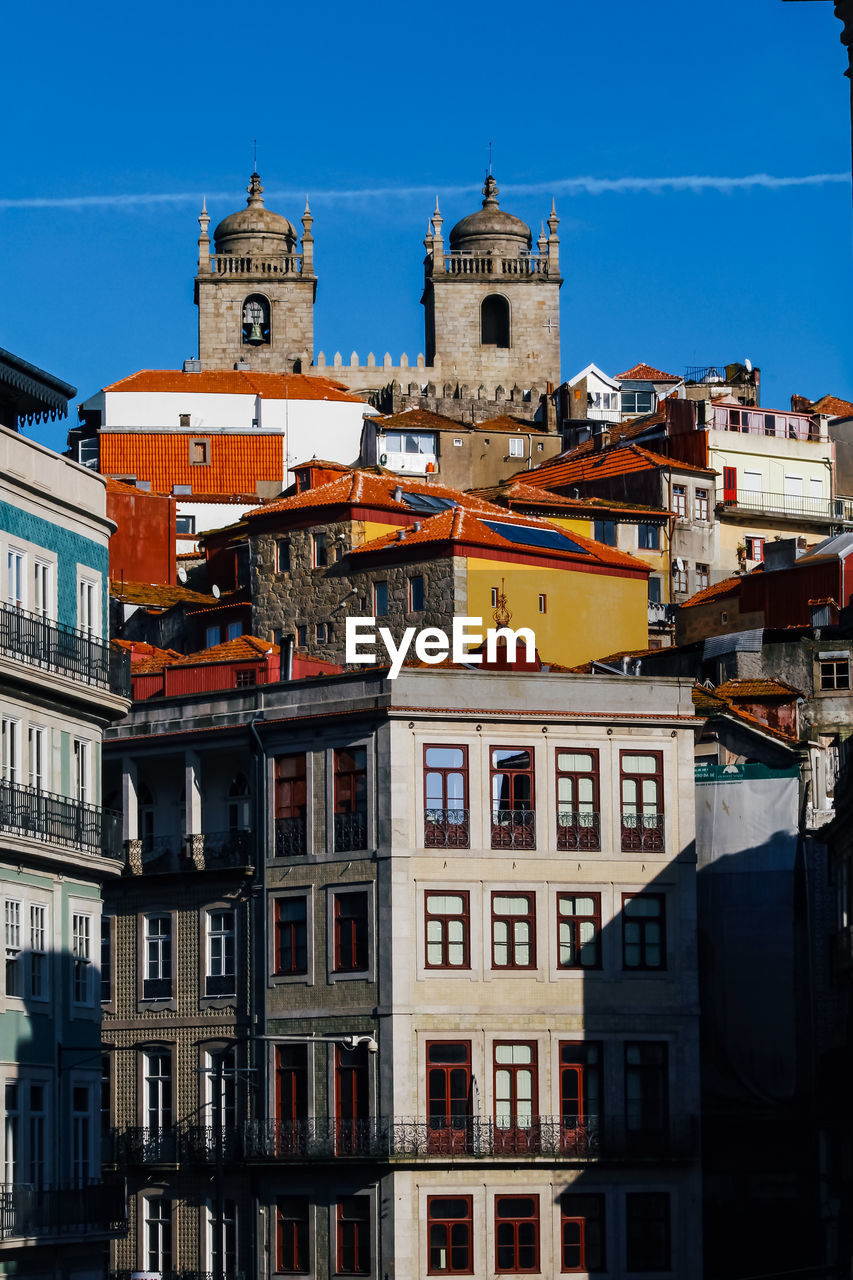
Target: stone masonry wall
point(220, 320)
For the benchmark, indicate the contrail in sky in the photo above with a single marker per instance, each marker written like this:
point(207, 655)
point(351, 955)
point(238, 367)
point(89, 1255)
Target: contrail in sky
point(555, 186)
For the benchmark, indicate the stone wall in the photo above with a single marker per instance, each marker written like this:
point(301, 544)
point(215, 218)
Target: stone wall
point(220, 322)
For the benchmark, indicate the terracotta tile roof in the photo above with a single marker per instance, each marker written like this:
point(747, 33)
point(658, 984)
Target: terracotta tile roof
point(717, 591)
point(237, 462)
point(361, 488)
point(467, 528)
point(157, 595)
point(646, 373)
point(514, 493)
point(833, 406)
point(146, 658)
point(709, 702)
point(752, 689)
point(243, 649)
point(581, 467)
point(237, 382)
point(425, 420)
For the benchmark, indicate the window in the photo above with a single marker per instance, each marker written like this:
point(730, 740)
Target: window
point(233, 631)
point(416, 595)
point(10, 763)
point(516, 1108)
point(245, 679)
point(222, 1239)
point(256, 321)
point(157, 1097)
point(581, 1232)
point(449, 1095)
point(185, 526)
point(702, 577)
point(642, 800)
point(680, 576)
point(11, 1131)
point(38, 951)
point(577, 800)
point(12, 924)
point(647, 1231)
point(350, 820)
point(81, 1135)
point(81, 944)
point(37, 757)
point(679, 500)
point(643, 931)
point(648, 537)
point(292, 1235)
point(380, 599)
point(605, 531)
point(445, 797)
point(580, 1095)
point(579, 931)
point(319, 550)
point(447, 930)
point(157, 1222)
point(157, 983)
point(82, 779)
point(211, 636)
point(36, 1173)
point(291, 805)
point(654, 589)
point(835, 673)
point(512, 788)
point(199, 453)
point(16, 565)
point(42, 589)
point(646, 1090)
point(729, 484)
point(106, 1094)
point(450, 1223)
point(411, 442)
point(513, 931)
point(516, 447)
point(754, 549)
point(291, 936)
point(301, 635)
point(353, 1252)
point(700, 499)
point(291, 1096)
point(637, 401)
point(87, 607)
point(352, 1099)
point(351, 932)
point(106, 959)
point(494, 321)
point(516, 1234)
point(543, 604)
point(220, 977)
point(282, 556)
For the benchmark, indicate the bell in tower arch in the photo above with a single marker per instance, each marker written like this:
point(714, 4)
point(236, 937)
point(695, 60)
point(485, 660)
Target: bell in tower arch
point(256, 321)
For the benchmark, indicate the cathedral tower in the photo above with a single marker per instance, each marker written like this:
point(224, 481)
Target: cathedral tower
point(255, 293)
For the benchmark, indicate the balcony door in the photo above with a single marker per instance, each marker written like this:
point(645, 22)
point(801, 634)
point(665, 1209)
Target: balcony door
point(291, 1099)
point(516, 1118)
point(449, 1096)
point(352, 1099)
point(580, 1096)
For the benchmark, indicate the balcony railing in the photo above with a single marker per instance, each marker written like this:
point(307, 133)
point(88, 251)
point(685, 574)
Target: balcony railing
point(203, 851)
point(190, 1144)
point(789, 506)
point(53, 646)
point(350, 832)
point(28, 1212)
point(445, 828)
point(513, 829)
point(642, 831)
point(43, 816)
point(290, 837)
point(578, 830)
point(180, 1275)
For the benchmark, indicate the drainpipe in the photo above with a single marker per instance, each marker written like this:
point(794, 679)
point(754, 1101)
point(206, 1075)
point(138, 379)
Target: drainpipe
point(529, 451)
point(285, 670)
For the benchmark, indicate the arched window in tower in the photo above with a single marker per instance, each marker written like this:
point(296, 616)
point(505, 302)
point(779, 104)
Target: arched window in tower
point(494, 321)
point(256, 320)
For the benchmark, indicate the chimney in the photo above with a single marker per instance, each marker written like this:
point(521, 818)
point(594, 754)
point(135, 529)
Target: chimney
point(285, 671)
point(601, 440)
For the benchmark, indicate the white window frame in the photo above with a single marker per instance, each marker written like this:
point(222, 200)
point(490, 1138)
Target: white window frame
point(37, 1135)
point(36, 740)
point(11, 1129)
point(16, 578)
point(82, 780)
point(43, 594)
point(81, 950)
point(39, 928)
point(83, 1131)
point(158, 953)
point(88, 612)
point(516, 446)
point(154, 1256)
point(155, 1082)
point(10, 749)
point(229, 1262)
point(12, 941)
point(216, 948)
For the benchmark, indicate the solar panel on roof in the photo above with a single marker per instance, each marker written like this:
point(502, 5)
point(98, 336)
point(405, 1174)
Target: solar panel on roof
point(524, 535)
point(428, 503)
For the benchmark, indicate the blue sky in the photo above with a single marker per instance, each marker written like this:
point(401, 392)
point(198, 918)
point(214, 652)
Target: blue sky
point(372, 110)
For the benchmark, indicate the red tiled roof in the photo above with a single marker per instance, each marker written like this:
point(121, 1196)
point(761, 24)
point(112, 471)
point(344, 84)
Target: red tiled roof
point(236, 382)
point(646, 373)
point(237, 462)
point(158, 594)
point(369, 489)
point(243, 649)
point(515, 493)
point(146, 658)
point(750, 689)
point(710, 702)
point(425, 420)
point(833, 406)
point(718, 591)
point(579, 467)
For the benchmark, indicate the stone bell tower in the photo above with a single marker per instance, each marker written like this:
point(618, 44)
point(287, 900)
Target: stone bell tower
point(255, 293)
point(493, 304)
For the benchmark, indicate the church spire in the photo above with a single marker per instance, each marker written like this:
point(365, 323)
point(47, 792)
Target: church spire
point(255, 190)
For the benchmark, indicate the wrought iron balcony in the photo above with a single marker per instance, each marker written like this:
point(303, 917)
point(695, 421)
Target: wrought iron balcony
point(513, 829)
point(350, 832)
point(179, 1275)
point(203, 851)
point(53, 646)
point(51, 819)
point(446, 828)
point(27, 1212)
point(178, 1144)
point(578, 830)
point(290, 837)
point(786, 505)
point(642, 831)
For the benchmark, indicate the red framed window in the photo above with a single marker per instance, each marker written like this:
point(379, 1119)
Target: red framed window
point(352, 1098)
point(516, 1097)
point(513, 798)
point(701, 500)
point(450, 1227)
point(754, 549)
point(729, 484)
point(351, 919)
point(447, 930)
point(582, 1232)
point(449, 1094)
point(292, 1235)
point(513, 931)
point(646, 1090)
point(291, 936)
point(445, 797)
point(679, 499)
point(643, 931)
point(579, 930)
point(291, 1094)
point(350, 799)
point(516, 1234)
point(291, 805)
point(578, 824)
point(580, 1094)
point(647, 1231)
point(353, 1243)
point(641, 785)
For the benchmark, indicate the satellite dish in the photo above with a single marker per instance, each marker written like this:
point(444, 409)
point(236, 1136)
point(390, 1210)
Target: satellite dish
point(747, 364)
point(215, 592)
point(182, 574)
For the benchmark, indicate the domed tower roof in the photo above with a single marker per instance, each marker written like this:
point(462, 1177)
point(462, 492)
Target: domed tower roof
point(254, 230)
point(491, 227)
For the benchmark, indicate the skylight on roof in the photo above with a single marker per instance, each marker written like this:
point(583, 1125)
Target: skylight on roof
point(428, 504)
point(524, 535)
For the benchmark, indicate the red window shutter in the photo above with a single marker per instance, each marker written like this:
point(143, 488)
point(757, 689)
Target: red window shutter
point(730, 484)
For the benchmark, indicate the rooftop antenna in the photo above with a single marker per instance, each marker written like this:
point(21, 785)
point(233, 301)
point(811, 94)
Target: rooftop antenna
point(490, 159)
point(255, 155)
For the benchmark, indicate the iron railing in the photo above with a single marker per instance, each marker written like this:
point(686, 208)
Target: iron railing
point(202, 851)
point(513, 829)
point(446, 829)
point(578, 830)
point(27, 1212)
point(179, 1275)
point(642, 831)
point(43, 816)
point(791, 506)
point(291, 837)
point(177, 1144)
point(350, 832)
point(54, 646)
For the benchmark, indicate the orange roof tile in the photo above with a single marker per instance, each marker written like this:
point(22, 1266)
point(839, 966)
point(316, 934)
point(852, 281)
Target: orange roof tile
point(764, 688)
point(718, 591)
point(833, 406)
point(646, 373)
point(146, 658)
point(709, 702)
point(237, 462)
point(361, 488)
point(243, 649)
point(237, 382)
point(425, 420)
point(579, 467)
point(158, 594)
point(515, 493)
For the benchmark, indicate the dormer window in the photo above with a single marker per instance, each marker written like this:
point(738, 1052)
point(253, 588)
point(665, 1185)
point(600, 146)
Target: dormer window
point(256, 321)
